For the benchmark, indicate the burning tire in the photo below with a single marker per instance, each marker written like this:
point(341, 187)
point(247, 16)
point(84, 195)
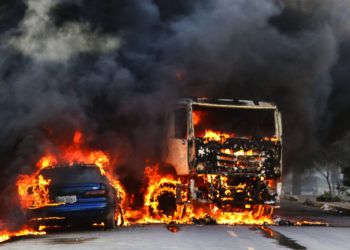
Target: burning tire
point(167, 203)
point(162, 201)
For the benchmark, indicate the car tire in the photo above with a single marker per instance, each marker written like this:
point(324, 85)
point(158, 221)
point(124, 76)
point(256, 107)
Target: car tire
point(110, 220)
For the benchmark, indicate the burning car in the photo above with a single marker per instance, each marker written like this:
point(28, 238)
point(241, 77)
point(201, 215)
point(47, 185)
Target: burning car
point(74, 184)
point(77, 194)
point(224, 155)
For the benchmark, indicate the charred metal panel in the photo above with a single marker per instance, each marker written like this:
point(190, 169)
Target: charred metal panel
point(240, 191)
point(231, 192)
point(239, 157)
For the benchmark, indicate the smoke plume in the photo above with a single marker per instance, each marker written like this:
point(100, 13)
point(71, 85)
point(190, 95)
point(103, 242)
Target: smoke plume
point(113, 69)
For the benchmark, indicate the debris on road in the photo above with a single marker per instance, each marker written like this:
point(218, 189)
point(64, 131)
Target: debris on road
point(328, 207)
point(285, 222)
point(206, 220)
point(173, 228)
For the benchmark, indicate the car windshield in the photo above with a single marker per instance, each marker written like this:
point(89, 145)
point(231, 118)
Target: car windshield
point(73, 175)
point(254, 123)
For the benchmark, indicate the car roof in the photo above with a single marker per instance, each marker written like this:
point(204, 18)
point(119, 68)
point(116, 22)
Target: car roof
point(69, 166)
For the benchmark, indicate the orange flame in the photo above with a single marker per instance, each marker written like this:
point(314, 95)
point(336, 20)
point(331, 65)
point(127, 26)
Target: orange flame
point(197, 116)
point(46, 161)
point(6, 235)
point(185, 213)
point(33, 189)
point(211, 135)
point(78, 137)
point(272, 139)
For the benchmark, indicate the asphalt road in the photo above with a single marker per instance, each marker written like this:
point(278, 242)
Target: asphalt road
point(296, 212)
point(336, 236)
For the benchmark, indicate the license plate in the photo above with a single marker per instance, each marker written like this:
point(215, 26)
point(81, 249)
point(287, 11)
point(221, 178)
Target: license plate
point(66, 199)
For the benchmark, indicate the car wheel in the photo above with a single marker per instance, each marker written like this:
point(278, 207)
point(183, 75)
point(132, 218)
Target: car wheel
point(110, 220)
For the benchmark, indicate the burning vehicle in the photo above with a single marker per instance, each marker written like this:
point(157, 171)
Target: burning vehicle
point(79, 194)
point(74, 185)
point(222, 163)
point(222, 156)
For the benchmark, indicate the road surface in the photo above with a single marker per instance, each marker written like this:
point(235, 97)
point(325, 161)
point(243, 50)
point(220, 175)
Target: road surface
point(336, 236)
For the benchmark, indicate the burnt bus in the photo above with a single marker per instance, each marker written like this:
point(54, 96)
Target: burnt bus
point(226, 152)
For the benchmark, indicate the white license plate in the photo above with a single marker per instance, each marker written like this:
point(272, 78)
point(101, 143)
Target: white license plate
point(66, 199)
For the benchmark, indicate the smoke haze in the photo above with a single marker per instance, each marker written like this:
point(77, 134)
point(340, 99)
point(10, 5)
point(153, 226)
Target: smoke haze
point(113, 68)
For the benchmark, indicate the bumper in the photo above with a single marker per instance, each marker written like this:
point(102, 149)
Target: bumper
point(70, 213)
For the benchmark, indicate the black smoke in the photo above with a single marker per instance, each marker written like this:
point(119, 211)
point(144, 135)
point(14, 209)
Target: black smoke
point(111, 68)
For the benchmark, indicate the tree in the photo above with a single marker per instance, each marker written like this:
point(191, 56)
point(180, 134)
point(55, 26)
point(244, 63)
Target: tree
point(324, 163)
point(330, 160)
point(343, 158)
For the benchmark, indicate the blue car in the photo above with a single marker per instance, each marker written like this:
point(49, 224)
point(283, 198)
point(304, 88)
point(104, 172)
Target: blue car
point(82, 195)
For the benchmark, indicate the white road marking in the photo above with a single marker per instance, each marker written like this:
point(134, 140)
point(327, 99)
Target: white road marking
point(233, 234)
point(250, 248)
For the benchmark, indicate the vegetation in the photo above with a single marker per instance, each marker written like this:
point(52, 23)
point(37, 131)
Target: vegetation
point(331, 162)
point(327, 197)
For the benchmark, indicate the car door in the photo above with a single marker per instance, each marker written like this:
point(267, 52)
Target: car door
point(177, 144)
